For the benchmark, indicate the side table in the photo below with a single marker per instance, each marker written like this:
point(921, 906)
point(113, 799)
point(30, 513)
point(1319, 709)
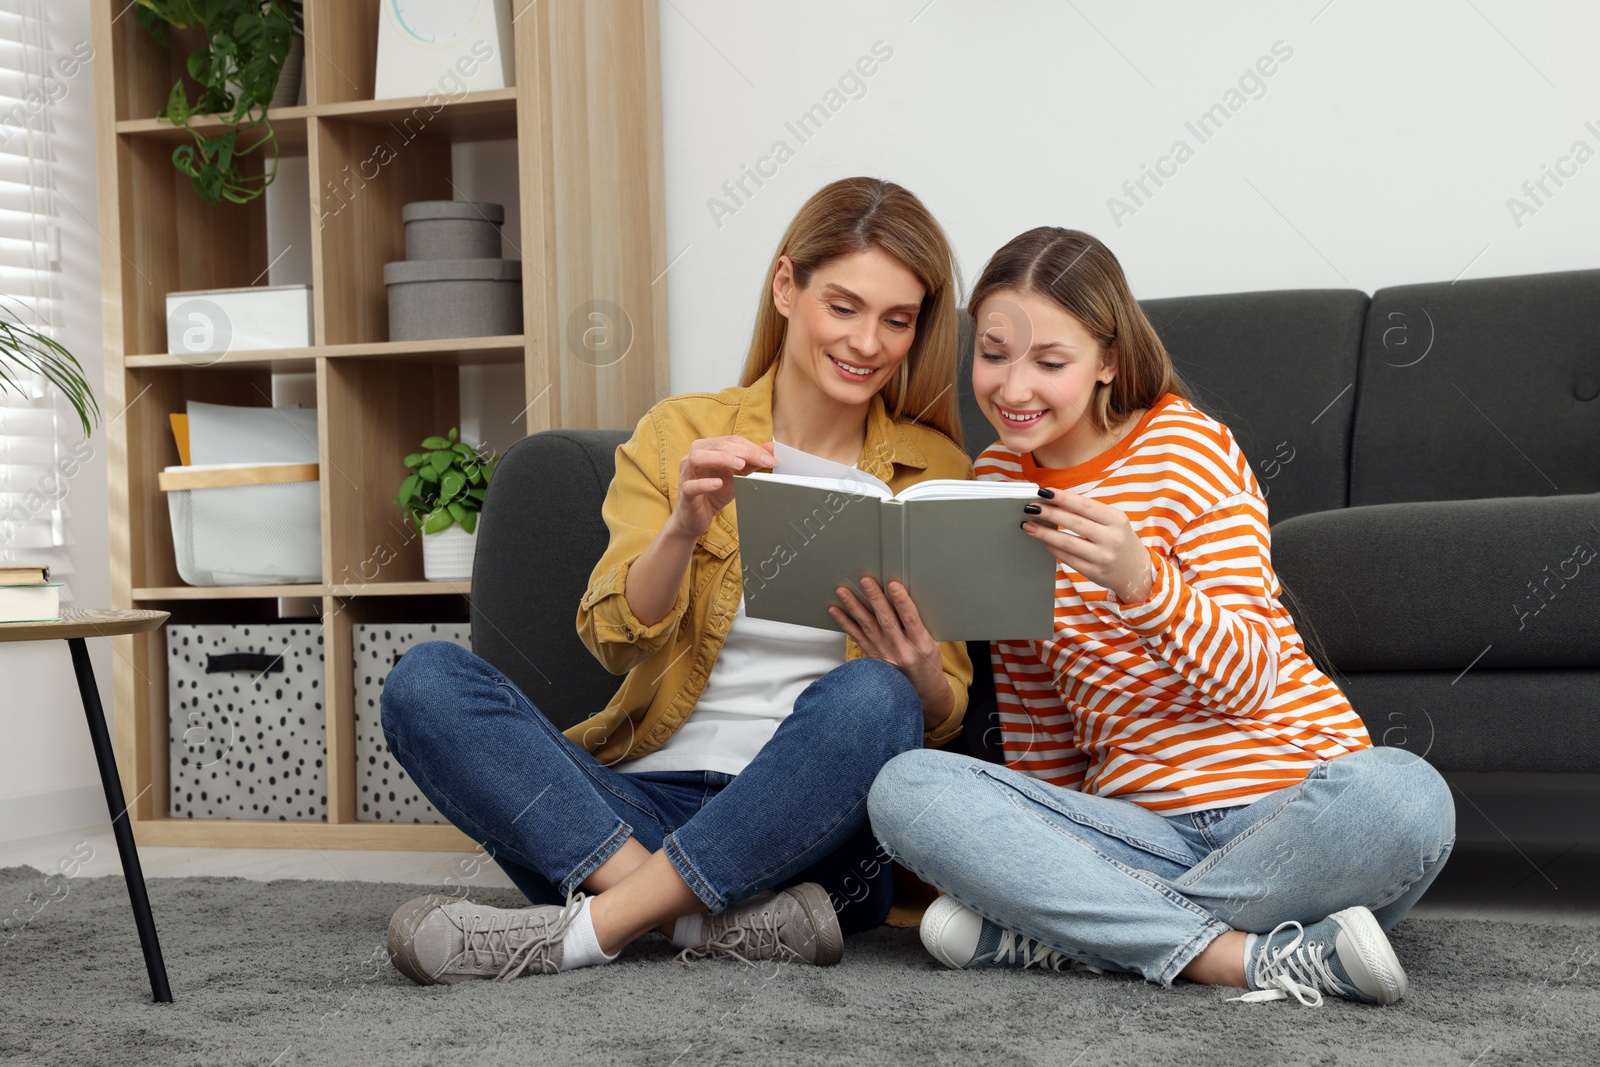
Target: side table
point(74, 625)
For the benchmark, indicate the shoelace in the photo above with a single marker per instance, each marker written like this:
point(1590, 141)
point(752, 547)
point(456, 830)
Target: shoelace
point(494, 939)
point(753, 937)
point(1299, 968)
point(1015, 946)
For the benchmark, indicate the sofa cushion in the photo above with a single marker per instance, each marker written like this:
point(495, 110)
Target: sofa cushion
point(538, 538)
point(1484, 720)
point(1276, 369)
point(1510, 582)
point(1482, 388)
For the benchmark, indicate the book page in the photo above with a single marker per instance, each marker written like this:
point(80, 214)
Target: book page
point(862, 486)
point(959, 489)
point(792, 461)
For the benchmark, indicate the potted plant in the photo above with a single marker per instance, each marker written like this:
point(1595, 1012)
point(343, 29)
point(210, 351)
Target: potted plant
point(248, 44)
point(442, 497)
point(26, 347)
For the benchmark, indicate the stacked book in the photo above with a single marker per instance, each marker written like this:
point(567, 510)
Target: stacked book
point(27, 594)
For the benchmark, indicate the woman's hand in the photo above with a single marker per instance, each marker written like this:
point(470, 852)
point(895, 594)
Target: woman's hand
point(705, 479)
point(1097, 541)
point(705, 487)
point(889, 628)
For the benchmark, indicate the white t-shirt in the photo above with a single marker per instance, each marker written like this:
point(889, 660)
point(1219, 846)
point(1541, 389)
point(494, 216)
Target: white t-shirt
point(762, 668)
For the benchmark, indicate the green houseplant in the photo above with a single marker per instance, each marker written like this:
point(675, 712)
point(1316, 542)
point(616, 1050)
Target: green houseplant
point(247, 44)
point(25, 347)
point(442, 497)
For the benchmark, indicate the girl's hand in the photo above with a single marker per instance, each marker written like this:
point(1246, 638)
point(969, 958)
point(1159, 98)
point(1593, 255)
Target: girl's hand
point(1105, 549)
point(889, 628)
point(705, 479)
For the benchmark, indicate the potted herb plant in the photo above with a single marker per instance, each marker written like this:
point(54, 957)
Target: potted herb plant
point(442, 497)
point(248, 44)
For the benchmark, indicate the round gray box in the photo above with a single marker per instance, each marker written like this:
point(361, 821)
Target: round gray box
point(437, 299)
point(452, 229)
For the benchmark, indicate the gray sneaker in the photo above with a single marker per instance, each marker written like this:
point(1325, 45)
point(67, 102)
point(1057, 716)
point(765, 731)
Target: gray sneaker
point(1346, 955)
point(797, 924)
point(436, 939)
point(959, 937)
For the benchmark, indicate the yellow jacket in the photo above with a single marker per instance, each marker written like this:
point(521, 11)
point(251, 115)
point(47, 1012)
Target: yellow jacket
point(667, 663)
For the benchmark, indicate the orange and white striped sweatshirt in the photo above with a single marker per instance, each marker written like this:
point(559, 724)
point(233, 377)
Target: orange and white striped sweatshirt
point(1200, 696)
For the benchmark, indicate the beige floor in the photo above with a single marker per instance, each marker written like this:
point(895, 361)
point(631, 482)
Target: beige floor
point(1542, 883)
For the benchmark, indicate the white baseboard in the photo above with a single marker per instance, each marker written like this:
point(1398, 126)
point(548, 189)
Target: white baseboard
point(52, 811)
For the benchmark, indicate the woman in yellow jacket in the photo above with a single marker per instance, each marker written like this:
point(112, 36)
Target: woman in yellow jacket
point(720, 798)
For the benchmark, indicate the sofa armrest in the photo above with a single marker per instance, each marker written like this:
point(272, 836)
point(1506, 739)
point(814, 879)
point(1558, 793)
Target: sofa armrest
point(1504, 582)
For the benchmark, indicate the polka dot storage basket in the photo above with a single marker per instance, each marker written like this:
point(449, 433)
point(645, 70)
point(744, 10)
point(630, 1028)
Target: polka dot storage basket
point(385, 793)
point(246, 721)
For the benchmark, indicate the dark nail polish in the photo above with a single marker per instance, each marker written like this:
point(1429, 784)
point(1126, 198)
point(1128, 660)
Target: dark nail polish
point(1023, 525)
point(1048, 494)
point(1033, 509)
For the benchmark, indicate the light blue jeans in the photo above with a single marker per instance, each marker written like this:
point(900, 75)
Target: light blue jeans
point(1120, 887)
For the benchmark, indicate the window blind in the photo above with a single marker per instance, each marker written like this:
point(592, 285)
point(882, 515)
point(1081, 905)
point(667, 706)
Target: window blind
point(38, 428)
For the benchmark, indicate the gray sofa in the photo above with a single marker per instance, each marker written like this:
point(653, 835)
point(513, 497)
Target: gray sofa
point(1431, 459)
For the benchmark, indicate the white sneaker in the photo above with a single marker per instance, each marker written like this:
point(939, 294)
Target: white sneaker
point(960, 938)
point(1346, 955)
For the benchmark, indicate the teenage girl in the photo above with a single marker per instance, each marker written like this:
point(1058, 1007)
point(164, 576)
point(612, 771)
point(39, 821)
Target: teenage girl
point(1185, 794)
point(720, 797)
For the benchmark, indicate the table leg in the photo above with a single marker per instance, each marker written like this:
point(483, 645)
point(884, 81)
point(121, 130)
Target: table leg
point(120, 827)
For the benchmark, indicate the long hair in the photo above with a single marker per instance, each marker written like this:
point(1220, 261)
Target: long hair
point(1078, 273)
point(854, 215)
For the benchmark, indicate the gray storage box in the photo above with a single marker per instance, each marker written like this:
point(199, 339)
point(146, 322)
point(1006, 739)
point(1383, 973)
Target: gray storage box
point(384, 792)
point(439, 299)
point(452, 229)
point(246, 727)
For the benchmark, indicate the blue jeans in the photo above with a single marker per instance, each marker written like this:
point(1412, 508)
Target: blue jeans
point(1115, 885)
point(550, 814)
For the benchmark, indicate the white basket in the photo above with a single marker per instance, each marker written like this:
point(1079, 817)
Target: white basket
point(246, 523)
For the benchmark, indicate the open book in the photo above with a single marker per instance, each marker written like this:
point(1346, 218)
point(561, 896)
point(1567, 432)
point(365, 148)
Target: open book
point(958, 547)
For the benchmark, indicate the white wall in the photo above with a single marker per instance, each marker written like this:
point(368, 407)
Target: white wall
point(48, 779)
point(1383, 151)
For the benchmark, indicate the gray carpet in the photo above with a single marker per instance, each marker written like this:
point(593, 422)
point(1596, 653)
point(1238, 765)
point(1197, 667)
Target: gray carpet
point(294, 972)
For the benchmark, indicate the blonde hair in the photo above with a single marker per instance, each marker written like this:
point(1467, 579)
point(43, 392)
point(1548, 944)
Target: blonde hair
point(1078, 273)
point(852, 215)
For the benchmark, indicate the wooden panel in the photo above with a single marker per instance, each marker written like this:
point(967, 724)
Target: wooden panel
point(341, 50)
point(288, 126)
point(167, 481)
point(485, 115)
point(338, 657)
point(145, 72)
point(388, 408)
point(253, 833)
point(591, 130)
point(171, 240)
point(364, 176)
point(541, 377)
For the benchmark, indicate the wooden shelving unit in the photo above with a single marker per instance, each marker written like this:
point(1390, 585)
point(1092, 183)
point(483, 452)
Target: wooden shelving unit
point(585, 116)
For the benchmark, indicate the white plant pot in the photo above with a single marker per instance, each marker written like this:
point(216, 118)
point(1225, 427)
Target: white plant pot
point(447, 555)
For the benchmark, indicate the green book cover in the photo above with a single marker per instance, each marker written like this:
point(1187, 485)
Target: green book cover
point(957, 546)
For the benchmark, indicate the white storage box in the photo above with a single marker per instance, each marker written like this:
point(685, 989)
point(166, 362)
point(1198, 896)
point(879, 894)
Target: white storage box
point(387, 793)
point(246, 726)
point(213, 321)
point(246, 523)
